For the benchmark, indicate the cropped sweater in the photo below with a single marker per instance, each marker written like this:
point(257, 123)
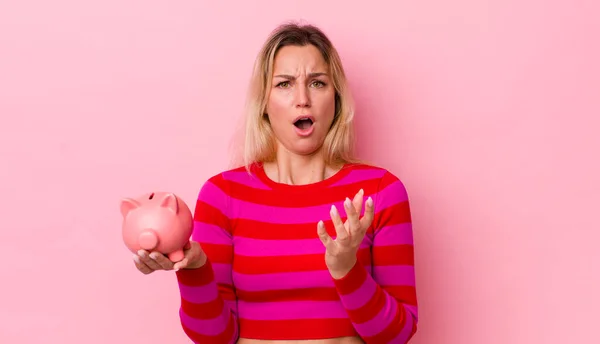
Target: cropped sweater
point(266, 278)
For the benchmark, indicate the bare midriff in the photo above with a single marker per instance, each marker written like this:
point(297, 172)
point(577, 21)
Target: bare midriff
point(343, 340)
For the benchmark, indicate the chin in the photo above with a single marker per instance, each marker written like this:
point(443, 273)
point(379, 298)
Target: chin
point(308, 147)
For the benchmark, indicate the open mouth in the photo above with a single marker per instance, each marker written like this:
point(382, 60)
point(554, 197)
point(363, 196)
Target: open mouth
point(303, 123)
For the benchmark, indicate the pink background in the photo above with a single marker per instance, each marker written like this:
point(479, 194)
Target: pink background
point(488, 110)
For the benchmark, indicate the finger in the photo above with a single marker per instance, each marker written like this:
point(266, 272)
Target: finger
point(191, 256)
point(358, 201)
point(340, 231)
point(323, 235)
point(181, 264)
point(353, 220)
point(367, 219)
point(188, 245)
point(145, 269)
point(164, 262)
point(145, 258)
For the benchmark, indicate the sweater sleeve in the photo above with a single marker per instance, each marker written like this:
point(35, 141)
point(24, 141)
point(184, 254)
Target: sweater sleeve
point(208, 311)
point(382, 305)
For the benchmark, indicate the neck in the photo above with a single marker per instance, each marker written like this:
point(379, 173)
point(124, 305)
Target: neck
point(295, 169)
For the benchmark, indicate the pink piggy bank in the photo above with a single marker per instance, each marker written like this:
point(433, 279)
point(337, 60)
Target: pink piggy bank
point(158, 221)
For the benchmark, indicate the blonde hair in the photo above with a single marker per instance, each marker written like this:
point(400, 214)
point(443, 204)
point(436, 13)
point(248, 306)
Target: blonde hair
point(259, 143)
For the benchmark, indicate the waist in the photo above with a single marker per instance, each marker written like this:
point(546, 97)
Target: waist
point(340, 340)
point(288, 331)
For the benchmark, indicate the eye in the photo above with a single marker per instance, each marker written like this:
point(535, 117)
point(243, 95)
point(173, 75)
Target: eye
point(283, 84)
point(318, 84)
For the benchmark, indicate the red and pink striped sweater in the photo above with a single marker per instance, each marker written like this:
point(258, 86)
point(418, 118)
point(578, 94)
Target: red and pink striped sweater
point(266, 276)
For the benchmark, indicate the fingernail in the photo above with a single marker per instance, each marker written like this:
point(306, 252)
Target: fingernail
point(141, 253)
point(370, 201)
point(362, 192)
point(348, 202)
point(333, 209)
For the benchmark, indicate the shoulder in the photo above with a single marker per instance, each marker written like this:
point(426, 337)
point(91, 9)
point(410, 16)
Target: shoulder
point(372, 172)
point(386, 183)
point(235, 178)
point(228, 175)
point(389, 195)
point(216, 190)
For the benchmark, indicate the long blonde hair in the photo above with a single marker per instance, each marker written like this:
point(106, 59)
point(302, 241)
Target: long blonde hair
point(259, 141)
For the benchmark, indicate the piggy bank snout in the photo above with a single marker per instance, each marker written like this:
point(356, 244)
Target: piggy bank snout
point(148, 239)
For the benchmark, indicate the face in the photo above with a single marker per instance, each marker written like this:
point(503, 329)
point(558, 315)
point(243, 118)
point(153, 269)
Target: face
point(301, 103)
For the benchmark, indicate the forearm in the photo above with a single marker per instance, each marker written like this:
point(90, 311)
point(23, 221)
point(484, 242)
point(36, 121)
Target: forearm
point(377, 316)
point(206, 317)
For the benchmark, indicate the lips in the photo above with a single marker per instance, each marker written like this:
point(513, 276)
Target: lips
point(304, 125)
point(304, 122)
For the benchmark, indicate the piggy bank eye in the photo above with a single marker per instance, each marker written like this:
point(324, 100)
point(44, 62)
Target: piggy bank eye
point(151, 196)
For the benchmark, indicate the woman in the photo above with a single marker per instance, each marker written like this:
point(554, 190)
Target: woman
point(279, 252)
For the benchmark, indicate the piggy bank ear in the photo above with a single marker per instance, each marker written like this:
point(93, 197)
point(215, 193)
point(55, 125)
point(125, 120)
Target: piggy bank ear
point(170, 202)
point(127, 205)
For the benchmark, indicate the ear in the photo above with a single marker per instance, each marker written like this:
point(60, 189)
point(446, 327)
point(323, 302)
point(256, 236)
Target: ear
point(170, 202)
point(127, 205)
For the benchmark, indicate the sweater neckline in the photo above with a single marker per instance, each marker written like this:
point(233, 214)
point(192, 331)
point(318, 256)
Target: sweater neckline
point(259, 171)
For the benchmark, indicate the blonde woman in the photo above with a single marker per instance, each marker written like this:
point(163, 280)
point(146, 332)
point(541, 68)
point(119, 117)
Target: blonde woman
point(303, 242)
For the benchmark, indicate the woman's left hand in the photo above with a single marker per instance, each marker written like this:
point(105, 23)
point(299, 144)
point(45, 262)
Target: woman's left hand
point(340, 254)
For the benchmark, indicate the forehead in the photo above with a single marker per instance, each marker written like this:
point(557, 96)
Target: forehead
point(297, 58)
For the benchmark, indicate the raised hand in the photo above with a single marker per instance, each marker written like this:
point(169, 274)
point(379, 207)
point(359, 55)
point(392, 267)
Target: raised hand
point(340, 254)
point(148, 262)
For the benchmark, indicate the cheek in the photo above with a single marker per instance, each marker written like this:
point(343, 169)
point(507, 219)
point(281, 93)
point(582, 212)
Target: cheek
point(332, 106)
point(278, 102)
point(327, 107)
point(277, 111)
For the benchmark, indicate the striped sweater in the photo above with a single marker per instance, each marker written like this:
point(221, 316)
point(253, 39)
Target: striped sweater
point(266, 277)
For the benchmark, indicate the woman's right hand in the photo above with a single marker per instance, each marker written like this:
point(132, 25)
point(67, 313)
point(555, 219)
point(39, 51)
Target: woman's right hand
point(148, 262)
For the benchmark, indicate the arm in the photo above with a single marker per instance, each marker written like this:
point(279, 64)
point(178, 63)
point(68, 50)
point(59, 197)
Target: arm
point(208, 310)
point(383, 306)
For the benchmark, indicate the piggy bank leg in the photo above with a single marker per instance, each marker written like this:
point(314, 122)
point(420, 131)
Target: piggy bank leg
point(176, 256)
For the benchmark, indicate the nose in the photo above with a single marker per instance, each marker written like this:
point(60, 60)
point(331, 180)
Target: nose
point(302, 97)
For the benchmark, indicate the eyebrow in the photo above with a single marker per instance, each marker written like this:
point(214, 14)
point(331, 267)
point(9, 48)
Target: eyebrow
point(291, 77)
